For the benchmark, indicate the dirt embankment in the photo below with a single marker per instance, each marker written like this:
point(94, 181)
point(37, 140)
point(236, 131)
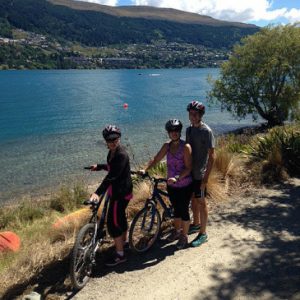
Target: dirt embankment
point(252, 253)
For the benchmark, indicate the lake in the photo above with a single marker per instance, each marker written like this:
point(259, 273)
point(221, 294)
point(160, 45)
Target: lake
point(51, 121)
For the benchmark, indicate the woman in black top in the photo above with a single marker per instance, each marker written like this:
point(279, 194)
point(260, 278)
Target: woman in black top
point(118, 184)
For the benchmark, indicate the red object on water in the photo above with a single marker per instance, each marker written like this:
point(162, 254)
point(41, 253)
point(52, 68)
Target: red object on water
point(125, 105)
point(9, 241)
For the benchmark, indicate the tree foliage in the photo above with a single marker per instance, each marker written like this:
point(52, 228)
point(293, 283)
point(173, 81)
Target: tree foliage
point(262, 77)
point(5, 28)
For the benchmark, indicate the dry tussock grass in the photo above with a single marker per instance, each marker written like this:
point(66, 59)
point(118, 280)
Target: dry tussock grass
point(142, 191)
point(227, 172)
point(42, 244)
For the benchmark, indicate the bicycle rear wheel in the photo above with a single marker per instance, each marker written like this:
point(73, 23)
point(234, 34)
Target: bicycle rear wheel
point(82, 258)
point(144, 229)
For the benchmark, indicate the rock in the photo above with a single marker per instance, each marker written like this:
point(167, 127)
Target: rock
point(9, 241)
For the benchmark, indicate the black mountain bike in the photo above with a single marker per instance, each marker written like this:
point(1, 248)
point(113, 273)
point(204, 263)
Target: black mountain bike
point(146, 226)
point(89, 239)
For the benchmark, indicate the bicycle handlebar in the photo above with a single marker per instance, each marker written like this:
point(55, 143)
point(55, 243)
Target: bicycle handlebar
point(146, 175)
point(90, 202)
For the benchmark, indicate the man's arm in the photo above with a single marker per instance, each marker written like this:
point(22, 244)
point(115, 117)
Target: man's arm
point(209, 165)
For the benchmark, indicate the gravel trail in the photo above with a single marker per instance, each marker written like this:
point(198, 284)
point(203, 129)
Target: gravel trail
point(252, 253)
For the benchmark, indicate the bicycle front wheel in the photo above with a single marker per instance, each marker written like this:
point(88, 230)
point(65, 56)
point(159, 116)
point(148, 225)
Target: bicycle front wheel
point(82, 258)
point(144, 229)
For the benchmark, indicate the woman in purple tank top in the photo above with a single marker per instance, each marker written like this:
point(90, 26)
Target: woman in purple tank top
point(179, 185)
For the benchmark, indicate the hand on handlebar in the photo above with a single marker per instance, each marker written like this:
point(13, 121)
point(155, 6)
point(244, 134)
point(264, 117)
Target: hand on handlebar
point(91, 168)
point(95, 198)
point(171, 180)
point(141, 172)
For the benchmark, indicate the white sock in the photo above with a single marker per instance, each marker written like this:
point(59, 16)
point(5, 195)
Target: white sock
point(121, 253)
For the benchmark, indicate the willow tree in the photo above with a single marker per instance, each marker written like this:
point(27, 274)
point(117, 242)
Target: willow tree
point(262, 76)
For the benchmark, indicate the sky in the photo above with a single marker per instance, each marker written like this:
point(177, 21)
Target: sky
point(258, 12)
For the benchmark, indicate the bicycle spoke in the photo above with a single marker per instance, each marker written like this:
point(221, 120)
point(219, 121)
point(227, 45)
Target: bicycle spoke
point(82, 256)
point(144, 229)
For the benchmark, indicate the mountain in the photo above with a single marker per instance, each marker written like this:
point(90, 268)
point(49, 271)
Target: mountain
point(148, 12)
point(98, 25)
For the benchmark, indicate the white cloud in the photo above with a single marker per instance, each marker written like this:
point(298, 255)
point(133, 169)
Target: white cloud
point(232, 10)
point(104, 2)
point(293, 15)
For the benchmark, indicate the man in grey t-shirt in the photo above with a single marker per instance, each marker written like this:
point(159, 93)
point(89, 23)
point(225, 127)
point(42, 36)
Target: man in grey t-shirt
point(201, 139)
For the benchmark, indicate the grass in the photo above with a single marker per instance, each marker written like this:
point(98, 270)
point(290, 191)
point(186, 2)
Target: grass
point(239, 160)
point(275, 155)
point(41, 244)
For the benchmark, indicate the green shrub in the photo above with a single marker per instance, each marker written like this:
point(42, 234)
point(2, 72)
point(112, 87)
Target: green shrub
point(279, 148)
point(25, 213)
point(68, 198)
point(159, 170)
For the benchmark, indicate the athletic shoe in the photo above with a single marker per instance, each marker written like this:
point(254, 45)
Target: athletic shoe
point(194, 228)
point(174, 235)
point(182, 242)
point(116, 260)
point(200, 239)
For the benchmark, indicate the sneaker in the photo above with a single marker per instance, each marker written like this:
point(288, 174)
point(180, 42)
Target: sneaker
point(194, 228)
point(182, 242)
point(174, 235)
point(116, 260)
point(200, 239)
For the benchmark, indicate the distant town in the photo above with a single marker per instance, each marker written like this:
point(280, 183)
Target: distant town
point(28, 50)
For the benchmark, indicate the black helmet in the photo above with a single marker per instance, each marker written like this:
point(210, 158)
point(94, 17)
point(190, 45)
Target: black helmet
point(197, 106)
point(111, 132)
point(173, 125)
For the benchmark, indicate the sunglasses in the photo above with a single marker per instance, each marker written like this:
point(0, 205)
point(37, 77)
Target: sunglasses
point(111, 140)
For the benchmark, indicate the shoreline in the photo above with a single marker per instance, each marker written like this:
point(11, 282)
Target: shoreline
point(45, 193)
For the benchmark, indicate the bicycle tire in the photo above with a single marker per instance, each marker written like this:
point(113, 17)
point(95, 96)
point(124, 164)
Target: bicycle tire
point(82, 256)
point(144, 229)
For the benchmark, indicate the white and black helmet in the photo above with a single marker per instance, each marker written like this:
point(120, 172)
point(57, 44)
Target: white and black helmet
point(173, 125)
point(197, 106)
point(111, 132)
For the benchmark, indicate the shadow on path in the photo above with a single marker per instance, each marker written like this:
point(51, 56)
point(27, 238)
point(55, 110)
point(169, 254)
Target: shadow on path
point(54, 281)
point(273, 271)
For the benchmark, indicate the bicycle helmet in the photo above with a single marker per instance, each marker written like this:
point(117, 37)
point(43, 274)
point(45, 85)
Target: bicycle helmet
point(173, 125)
point(197, 106)
point(111, 132)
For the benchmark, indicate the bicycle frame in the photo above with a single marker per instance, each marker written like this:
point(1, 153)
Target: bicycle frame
point(157, 198)
point(99, 223)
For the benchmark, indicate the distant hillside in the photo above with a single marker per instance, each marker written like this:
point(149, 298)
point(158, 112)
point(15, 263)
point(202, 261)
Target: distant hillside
point(148, 12)
point(98, 25)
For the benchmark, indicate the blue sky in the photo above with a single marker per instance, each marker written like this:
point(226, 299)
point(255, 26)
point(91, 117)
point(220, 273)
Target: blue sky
point(259, 12)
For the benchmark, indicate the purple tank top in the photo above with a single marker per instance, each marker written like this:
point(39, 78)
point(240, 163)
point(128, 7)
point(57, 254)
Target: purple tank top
point(175, 164)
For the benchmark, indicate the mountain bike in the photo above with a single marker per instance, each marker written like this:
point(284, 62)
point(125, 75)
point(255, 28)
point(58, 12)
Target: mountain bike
point(146, 226)
point(89, 238)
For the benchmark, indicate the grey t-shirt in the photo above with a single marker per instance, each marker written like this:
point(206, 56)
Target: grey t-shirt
point(201, 140)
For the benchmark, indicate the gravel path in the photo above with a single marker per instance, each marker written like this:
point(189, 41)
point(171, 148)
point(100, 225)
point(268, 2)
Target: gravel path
point(252, 253)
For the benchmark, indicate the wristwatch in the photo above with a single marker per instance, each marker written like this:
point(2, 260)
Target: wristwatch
point(176, 177)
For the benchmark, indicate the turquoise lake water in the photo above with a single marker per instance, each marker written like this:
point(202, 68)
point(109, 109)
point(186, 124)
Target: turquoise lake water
point(51, 121)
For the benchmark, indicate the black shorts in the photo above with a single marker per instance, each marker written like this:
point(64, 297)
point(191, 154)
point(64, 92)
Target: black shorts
point(180, 199)
point(197, 193)
point(116, 217)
